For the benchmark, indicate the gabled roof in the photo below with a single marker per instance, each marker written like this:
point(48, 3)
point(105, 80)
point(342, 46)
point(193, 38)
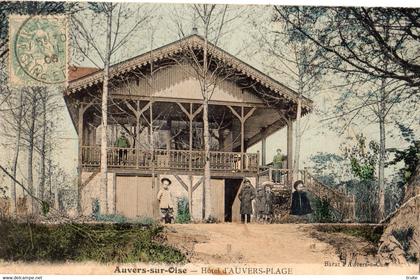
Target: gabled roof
point(192, 41)
point(76, 72)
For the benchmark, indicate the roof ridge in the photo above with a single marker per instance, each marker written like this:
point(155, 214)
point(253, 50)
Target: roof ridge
point(177, 46)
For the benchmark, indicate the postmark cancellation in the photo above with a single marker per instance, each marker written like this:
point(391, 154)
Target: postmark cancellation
point(38, 50)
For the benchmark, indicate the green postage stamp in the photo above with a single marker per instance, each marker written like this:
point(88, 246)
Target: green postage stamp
point(38, 50)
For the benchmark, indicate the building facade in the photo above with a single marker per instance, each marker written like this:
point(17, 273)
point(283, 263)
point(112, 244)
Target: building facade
point(156, 104)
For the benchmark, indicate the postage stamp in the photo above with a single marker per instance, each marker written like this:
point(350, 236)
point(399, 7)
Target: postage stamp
point(38, 50)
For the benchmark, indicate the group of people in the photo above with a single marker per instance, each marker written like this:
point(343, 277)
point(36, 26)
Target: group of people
point(263, 196)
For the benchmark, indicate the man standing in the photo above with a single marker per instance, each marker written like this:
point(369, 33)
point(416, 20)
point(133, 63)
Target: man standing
point(278, 164)
point(123, 144)
point(165, 201)
point(246, 196)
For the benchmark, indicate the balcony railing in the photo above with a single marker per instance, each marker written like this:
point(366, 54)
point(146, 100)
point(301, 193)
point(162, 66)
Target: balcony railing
point(163, 159)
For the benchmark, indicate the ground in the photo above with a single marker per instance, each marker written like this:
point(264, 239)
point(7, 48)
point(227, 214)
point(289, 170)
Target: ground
point(299, 247)
point(251, 243)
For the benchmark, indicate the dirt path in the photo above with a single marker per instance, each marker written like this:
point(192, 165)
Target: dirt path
point(252, 243)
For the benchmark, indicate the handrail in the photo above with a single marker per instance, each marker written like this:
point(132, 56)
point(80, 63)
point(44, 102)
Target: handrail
point(170, 159)
point(342, 202)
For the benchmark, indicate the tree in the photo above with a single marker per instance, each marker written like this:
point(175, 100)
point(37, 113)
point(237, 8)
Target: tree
point(365, 49)
point(88, 37)
point(410, 156)
point(14, 118)
point(378, 42)
point(211, 20)
point(295, 61)
point(17, 106)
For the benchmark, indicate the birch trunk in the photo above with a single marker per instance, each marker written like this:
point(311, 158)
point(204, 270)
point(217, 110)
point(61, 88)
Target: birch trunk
point(13, 209)
point(41, 187)
point(298, 136)
point(206, 135)
point(382, 152)
point(31, 136)
point(381, 169)
point(104, 123)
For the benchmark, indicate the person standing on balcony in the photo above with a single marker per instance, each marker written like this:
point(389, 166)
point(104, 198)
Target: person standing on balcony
point(122, 143)
point(278, 164)
point(246, 196)
point(164, 197)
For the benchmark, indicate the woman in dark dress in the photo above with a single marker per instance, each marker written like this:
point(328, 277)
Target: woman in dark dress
point(300, 202)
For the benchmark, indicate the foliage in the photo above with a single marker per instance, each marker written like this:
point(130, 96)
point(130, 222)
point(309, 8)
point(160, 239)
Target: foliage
point(363, 158)
point(366, 197)
point(410, 156)
point(322, 212)
point(404, 237)
point(330, 169)
point(96, 210)
point(142, 220)
point(45, 206)
point(370, 233)
point(84, 242)
point(183, 215)
point(114, 218)
point(373, 41)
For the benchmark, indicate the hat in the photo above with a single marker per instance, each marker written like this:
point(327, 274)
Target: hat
point(297, 183)
point(165, 179)
point(267, 183)
point(246, 180)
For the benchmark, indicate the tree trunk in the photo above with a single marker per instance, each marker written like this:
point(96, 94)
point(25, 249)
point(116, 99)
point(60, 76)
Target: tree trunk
point(31, 136)
point(41, 187)
point(382, 153)
point(206, 135)
point(104, 124)
point(298, 136)
point(207, 195)
point(13, 209)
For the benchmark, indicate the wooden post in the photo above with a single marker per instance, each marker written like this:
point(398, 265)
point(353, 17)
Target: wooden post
point(242, 137)
point(242, 118)
point(263, 147)
point(290, 151)
point(190, 191)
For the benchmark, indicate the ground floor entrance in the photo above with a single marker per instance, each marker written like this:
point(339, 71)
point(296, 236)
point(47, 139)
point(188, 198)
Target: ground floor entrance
point(135, 197)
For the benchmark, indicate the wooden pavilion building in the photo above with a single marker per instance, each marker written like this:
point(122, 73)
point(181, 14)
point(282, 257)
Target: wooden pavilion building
point(156, 99)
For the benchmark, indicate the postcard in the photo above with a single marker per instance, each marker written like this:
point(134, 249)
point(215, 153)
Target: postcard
point(209, 139)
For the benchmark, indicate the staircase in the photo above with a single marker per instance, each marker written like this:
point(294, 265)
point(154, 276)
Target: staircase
point(340, 201)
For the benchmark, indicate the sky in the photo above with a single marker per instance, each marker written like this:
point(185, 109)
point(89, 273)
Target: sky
point(240, 42)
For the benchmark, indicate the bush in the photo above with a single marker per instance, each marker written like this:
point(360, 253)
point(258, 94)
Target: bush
point(183, 214)
point(322, 213)
point(404, 237)
point(143, 220)
point(369, 233)
point(84, 242)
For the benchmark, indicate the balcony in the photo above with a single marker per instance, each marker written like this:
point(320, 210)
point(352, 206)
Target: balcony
point(169, 160)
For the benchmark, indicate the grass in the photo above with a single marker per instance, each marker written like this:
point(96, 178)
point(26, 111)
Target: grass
point(85, 242)
point(367, 232)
